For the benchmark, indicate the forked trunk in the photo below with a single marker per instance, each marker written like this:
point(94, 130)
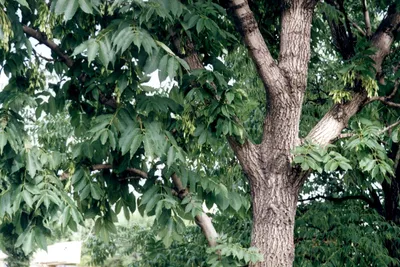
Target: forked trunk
point(274, 209)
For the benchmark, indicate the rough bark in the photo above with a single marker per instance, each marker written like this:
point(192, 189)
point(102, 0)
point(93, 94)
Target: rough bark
point(334, 121)
point(274, 209)
point(274, 181)
point(267, 165)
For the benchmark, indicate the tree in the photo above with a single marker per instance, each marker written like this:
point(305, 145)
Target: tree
point(103, 51)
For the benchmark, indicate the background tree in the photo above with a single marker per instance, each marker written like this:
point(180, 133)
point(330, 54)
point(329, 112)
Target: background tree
point(171, 144)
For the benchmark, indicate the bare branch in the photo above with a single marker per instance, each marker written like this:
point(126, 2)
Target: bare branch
point(202, 220)
point(341, 199)
point(355, 25)
point(108, 101)
point(138, 172)
point(43, 57)
point(385, 99)
point(366, 18)
point(49, 43)
point(346, 135)
point(388, 128)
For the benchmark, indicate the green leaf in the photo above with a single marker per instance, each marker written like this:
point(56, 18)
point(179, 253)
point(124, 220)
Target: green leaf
point(96, 191)
point(172, 67)
point(166, 48)
point(27, 245)
point(66, 7)
point(3, 141)
point(163, 67)
point(171, 156)
point(23, 3)
point(106, 54)
point(27, 198)
point(76, 215)
point(85, 192)
point(130, 140)
point(103, 137)
point(32, 163)
point(200, 25)
point(149, 194)
point(93, 48)
point(80, 48)
point(86, 6)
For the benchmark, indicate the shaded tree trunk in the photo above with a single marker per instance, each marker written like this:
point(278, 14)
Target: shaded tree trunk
point(391, 195)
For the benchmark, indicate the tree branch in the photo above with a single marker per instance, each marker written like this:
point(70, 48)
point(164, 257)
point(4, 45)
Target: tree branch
point(364, 198)
point(355, 25)
point(342, 36)
point(385, 99)
point(387, 128)
point(42, 38)
point(294, 52)
point(377, 202)
point(202, 220)
point(336, 119)
point(366, 18)
point(108, 101)
point(138, 172)
point(269, 72)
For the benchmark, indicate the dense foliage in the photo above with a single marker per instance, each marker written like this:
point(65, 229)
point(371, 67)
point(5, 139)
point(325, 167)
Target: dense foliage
point(82, 130)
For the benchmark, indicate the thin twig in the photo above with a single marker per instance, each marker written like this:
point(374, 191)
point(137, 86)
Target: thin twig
point(388, 128)
point(355, 25)
point(385, 99)
point(346, 135)
point(366, 18)
point(341, 199)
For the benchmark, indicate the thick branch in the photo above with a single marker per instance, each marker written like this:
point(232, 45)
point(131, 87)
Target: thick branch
point(385, 99)
point(269, 72)
point(49, 43)
point(294, 54)
point(202, 220)
point(332, 124)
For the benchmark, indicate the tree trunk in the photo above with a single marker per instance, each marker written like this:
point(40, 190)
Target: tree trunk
point(274, 181)
point(391, 193)
point(274, 210)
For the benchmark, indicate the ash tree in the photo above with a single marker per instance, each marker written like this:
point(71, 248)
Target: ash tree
point(256, 97)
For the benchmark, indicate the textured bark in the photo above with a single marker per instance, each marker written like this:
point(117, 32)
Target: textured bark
point(274, 181)
point(268, 165)
point(274, 209)
point(331, 125)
